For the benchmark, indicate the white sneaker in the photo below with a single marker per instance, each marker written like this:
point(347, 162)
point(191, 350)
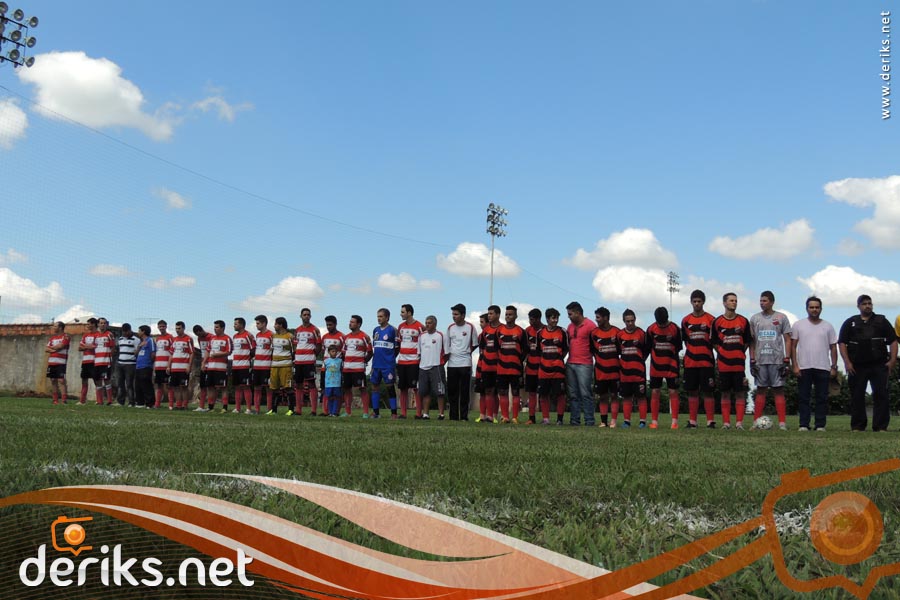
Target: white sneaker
point(247, 411)
point(199, 409)
point(803, 429)
point(726, 425)
point(822, 429)
point(782, 426)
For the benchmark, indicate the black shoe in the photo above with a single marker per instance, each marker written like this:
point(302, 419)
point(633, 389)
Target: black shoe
point(417, 418)
point(401, 416)
point(692, 426)
point(440, 417)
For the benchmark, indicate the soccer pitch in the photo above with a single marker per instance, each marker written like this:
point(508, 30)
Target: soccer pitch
point(611, 498)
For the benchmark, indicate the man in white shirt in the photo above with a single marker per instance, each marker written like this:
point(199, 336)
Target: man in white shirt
point(431, 379)
point(814, 353)
point(461, 341)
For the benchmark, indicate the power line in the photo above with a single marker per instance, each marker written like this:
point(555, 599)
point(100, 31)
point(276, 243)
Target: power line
point(222, 183)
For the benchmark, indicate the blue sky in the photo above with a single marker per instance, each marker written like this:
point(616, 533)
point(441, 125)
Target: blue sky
point(312, 153)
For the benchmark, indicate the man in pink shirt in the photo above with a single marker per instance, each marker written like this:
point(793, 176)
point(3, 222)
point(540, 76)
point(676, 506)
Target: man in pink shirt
point(580, 366)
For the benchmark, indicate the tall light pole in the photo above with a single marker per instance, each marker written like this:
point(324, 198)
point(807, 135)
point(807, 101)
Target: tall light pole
point(14, 32)
point(495, 227)
point(671, 286)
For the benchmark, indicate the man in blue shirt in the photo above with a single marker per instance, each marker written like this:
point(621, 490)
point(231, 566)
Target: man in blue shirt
point(144, 368)
point(386, 346)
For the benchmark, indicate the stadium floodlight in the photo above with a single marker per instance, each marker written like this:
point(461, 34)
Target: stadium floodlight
point(495, 228)
point(17, 36)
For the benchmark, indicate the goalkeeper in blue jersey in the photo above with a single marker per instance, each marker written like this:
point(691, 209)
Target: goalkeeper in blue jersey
point(383, 378)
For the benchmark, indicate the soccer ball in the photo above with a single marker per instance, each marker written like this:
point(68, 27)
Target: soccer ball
point(763, 422)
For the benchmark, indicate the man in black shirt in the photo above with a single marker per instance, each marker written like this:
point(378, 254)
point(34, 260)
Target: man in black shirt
point(868, 346)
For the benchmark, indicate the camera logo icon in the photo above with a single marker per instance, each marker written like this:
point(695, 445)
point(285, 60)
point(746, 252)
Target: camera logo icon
point(846, 528)
point(73, 534)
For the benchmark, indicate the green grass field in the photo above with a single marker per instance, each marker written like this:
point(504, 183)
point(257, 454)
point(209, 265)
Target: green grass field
point(607, 497)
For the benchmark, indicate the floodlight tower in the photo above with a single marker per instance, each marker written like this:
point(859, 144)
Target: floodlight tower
point(14, 32)
point(671, 286)
point(495, 227)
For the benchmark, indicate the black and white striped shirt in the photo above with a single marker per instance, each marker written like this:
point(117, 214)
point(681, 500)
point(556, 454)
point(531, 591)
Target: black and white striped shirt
point(128, 348)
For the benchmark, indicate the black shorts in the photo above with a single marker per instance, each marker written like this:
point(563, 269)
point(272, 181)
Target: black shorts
point(87, 370)
point(352, 380)
point(304, 373)
point(216, 379)
point(101, 373)
point(407, 376)
point(488, 380)
point(732, 381)
point(203, 379)
point(56, 371)
point(259, 377)
point(531, 383)
point(240, 377)
point(630, 389)
point(179, 379)
point(506, 382)
point(606, 386)
point(552, 387)
point(699, 378)
point(671, 382)
point(160, 377)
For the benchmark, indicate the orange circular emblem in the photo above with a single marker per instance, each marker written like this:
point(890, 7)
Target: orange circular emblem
point(74, 534)
point(846, 528)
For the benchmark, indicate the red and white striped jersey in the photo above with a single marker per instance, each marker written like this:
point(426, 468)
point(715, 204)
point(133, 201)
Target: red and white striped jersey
point(182, 353)
point(60, 345)
point(103, 348)
point(262, 360)
point(357, 352)
point(163, 351)
point(204, 341)
point(87, 354)
point(219, 343)
point(306, 341)
point(333, 339)
point(409, 342)
point(244, 345)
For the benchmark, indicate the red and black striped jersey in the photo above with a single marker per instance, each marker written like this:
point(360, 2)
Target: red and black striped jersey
point(632, 355)
point(490, 349)
point(513, 349)
point(731, 338)
point(534, 355)
point(697, 336)
point(665, 344)
point(553, 346)
point(605, 348)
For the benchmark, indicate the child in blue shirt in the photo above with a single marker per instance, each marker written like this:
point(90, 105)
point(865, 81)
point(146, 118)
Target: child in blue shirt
point(333, 392)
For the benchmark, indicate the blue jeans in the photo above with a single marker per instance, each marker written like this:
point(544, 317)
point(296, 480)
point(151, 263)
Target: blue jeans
point(810, 378)
point(581, 399)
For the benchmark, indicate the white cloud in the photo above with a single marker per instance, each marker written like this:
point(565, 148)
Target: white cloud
point(19, 291)
point(11, 257)
point(792, 239)
point(884, 195)
point(13, 123)
point(635, 247)
point(850, 247)
point(173, 199)
point(841, 286)
point(76, 312)
point(404, 282)
point(181, 281)
point(106, 270)
point(644, 289)
point(27, 319)
point(93, 91)
point(290, 293)
point(227, 112)
point(474, 260)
